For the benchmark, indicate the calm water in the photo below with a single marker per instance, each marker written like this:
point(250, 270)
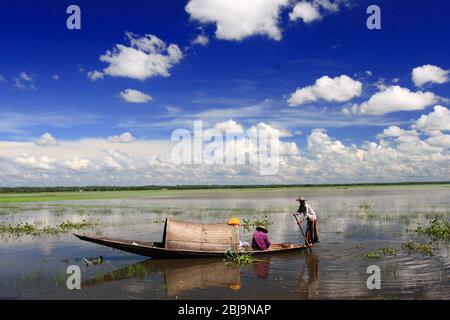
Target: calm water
point(352, 222)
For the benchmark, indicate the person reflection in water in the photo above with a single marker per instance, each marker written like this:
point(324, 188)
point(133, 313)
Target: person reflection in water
point(309, 288)
point(262, 269)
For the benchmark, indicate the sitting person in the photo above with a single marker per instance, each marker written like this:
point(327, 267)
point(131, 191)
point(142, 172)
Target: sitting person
point(260, 240)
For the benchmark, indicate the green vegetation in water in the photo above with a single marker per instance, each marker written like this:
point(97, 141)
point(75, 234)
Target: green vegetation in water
point(433, 214)
point(374, 254)
point(68, 225)
point(132, 271)
point(93, 261)
point(158, 221)
point(6, 212)
point(364, 206)
point(137, 270)
point(241, 258)
point(20, 228)
point(35, 228)
point(412, 246)
point(387, 251)
point(249, 211)
point(100, 276)
point(437, 229)
point(41, 279)
point(250, 224)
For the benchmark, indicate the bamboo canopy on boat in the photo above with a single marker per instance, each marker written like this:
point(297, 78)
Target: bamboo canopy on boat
point(182, 235)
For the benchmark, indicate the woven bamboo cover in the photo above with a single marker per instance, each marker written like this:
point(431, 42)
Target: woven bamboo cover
point(200, 237)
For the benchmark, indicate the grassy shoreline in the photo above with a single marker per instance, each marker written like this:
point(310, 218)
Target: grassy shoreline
point(123, 194)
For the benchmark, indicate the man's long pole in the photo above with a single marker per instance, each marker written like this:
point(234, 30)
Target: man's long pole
point(306, 240)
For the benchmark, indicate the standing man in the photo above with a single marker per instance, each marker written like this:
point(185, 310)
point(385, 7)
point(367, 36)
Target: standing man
point(307, 213)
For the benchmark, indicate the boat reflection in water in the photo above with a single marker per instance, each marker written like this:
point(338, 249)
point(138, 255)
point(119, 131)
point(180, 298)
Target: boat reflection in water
point(214, 274)
point(185, 275)
point(179, 275)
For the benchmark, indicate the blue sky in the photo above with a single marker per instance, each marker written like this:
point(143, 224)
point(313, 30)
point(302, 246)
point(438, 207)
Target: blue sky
point(248, 78)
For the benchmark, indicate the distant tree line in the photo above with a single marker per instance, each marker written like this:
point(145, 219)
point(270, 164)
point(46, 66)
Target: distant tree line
point(196, 187)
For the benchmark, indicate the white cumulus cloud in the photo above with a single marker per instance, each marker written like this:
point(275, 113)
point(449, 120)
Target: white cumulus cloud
point(201, 40)
point(271, 130)
point(135, 96)
point(43, 163)
point(24, 76)
point(24, 81)
point(125, 137)
point(427, 74)
point(319, 142)
point(397, 154)
point(439, 139)
point(310, 11)
point(46, 140)
point(77, 164)
point(237, 19)
point(338, 89)
point(306, 11)
point(395, 131)
point(95, 75)
point(146, 57)
point(420, 152)
point(229, 127)
point(393, 99)
point(438, 120)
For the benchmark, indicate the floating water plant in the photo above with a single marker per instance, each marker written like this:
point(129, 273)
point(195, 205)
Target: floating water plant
point(249, 224)
point(437, 229)
point(18, 229)
point(68, 225)
point(35, 228)
point(94, 261)
point(158, 221)
point(374, 254)
point(387, 251)
point(240, 258)
point(412, 246)
point(364, 206)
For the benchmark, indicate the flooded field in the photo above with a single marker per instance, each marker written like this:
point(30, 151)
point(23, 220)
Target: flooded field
point(37, 246)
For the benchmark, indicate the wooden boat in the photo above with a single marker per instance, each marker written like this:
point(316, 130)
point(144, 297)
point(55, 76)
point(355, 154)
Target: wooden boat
point(157, 250)
point(190, 240)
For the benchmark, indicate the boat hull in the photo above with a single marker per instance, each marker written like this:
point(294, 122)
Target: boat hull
point(156, 250)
